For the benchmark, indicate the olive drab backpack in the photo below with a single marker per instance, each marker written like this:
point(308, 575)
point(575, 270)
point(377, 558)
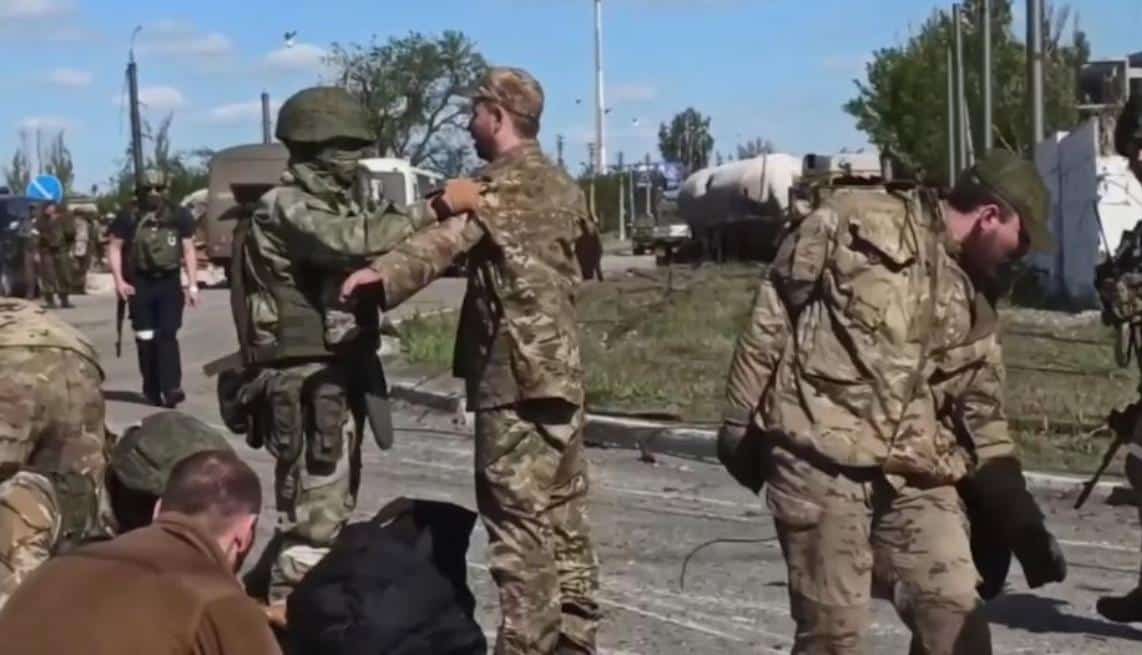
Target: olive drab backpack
point(156, 247)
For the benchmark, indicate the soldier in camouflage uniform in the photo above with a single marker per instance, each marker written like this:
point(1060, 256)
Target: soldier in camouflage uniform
point(55, 240)
point(32, 527)
point(868, 384)
point(52, 441)
point(310, 365)
point(518, 351)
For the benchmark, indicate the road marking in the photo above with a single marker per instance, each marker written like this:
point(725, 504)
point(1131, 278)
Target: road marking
point(602, 600)
point(1097, 544)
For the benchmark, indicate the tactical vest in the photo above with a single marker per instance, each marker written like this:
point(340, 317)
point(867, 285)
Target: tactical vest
point(156, 248)
point(275, 322)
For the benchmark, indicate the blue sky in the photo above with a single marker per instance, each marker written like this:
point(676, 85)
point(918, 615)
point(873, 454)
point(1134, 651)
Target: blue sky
point(779, 69)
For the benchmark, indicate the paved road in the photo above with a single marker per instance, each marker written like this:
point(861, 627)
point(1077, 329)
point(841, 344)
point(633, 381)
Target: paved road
point(648, 516)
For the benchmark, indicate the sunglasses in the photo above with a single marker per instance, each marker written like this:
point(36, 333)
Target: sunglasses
point(148, 189)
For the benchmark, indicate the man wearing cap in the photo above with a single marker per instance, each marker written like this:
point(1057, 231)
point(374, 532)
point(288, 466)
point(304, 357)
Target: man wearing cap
point(868, 387)
point(32, 527)
point(517, 348)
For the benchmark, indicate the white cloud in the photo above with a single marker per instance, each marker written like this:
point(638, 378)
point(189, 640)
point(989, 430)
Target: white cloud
point(301, 58)
point(46, 123)
point(33, 9)
point(625, 93)
point(180, 39)
point(238, 113)
point(156, 98)
point(70, 77)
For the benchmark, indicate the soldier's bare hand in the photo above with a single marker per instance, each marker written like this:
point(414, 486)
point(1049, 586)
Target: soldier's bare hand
point(125, 290)
point(361, 278)
point(276, 615)
point(461, 196)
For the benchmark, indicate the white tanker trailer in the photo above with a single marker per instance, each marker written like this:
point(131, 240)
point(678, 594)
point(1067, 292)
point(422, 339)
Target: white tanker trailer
point(738, 209)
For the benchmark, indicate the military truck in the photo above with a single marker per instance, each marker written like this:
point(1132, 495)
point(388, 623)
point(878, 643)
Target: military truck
point(736, 210)
point(238, 177)
point(656, 224)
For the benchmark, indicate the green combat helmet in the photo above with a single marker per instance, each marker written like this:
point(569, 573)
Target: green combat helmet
point(153, 177)
point(143, 458)
point(323, 113)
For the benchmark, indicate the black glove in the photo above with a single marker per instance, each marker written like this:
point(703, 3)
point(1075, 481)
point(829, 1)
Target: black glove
point(740, 451)
point(1007, 519)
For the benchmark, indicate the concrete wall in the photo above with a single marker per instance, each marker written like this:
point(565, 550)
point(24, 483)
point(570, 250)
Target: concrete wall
point(1084, 188)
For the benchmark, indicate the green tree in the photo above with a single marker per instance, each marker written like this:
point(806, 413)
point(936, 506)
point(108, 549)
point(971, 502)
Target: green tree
point(60, 164)
point(185, 171)
point(18, 174)
point(413, 88)
point(901, 102)
point(755, 147)
point(687, 140)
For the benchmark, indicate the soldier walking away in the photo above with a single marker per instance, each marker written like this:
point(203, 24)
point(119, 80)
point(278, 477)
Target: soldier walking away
point(52, 439)
point(55, 238)
point(868, 386)
point(309, 376)
point(147, 249)
point(518, 350)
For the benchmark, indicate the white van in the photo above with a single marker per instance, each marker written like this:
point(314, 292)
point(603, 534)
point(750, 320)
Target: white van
point(397, 180)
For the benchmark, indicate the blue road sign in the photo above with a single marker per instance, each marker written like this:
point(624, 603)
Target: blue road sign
point(45, 187)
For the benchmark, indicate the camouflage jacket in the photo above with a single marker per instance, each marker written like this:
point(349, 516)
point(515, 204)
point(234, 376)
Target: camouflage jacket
point(518, 337)
point(869, 345)
point(55, 234)
point(304, 238)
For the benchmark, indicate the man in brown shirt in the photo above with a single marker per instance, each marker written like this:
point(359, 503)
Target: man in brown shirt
point(166, 588)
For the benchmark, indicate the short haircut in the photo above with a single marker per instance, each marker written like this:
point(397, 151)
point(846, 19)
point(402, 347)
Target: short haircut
point(525, 126)
point(969, 194)
point(215, 487)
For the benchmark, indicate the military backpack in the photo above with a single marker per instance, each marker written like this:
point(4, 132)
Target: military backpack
point(156, 247)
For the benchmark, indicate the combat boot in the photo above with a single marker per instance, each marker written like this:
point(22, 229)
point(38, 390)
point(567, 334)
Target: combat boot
point(1122, 609)
point(64, 302)
point(49, 301)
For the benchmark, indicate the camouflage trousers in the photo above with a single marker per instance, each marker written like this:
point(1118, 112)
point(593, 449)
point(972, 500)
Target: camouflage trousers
point(54, 273)
point(52, 456)
point(848, 536)
point(316, 439)
point(531, 490)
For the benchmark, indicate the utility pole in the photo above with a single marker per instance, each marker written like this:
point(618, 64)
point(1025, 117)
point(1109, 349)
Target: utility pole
point(988, 137)
point(951, 105)
point(136, 123)
point(267, 131)
point(961, 101)
point(559, 149)
point(600, 130)
point(622, 202)
point(1035, 69)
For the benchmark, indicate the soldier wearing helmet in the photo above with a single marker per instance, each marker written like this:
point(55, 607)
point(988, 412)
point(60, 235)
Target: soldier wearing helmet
point(148, 248)
point(310, 371)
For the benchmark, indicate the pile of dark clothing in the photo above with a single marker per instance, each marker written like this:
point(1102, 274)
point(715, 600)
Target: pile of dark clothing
point(396, 584)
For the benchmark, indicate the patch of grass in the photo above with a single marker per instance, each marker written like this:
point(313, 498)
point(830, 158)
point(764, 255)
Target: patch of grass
point(427, 340)
point(658, 352)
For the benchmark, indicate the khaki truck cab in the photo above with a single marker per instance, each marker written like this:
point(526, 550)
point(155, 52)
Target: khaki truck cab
point(238, 177)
